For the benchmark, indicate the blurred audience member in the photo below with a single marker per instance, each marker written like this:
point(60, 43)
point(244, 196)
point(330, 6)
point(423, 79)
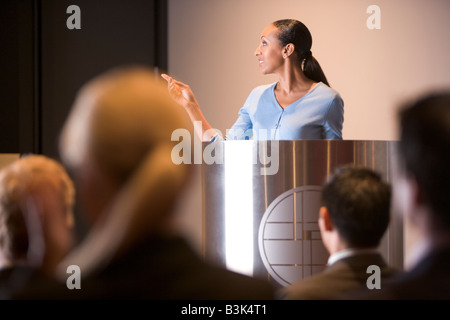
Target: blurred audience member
point(36, 221)
point(354, 216)
point(422, 195)
point(117, 142)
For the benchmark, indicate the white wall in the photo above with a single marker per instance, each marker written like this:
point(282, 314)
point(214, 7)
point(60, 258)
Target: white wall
point(212, 44)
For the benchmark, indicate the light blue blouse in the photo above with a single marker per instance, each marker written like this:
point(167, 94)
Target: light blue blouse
point(319, 114)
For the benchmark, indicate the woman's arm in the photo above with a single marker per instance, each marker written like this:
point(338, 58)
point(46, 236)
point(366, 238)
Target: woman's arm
point(184, 96)
point(334, 120)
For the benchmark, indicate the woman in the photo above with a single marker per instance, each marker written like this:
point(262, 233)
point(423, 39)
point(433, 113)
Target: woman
point(300, 105)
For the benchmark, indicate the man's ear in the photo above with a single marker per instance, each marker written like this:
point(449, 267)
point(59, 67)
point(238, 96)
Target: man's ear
point(324, 219)
point(417, 193)
point(414, 201)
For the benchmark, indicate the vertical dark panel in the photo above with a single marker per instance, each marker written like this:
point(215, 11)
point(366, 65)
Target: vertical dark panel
point(35, 99)
point(43, 63)
point(161, 34)
point(17, 78)
point(113, 33)
point(9, 79)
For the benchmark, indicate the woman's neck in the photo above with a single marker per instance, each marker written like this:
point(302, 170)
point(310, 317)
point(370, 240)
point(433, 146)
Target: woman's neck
point(292, 80)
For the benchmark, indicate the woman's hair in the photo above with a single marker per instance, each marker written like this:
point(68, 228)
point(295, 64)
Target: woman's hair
point(295, 32)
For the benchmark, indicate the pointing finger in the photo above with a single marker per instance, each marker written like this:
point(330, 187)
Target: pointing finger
point(166, 77)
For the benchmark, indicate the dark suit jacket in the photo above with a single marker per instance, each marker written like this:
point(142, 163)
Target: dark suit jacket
point(22, 278)
point(428, 280)
point(12, 279)
point(339, 279)
point(159, 268)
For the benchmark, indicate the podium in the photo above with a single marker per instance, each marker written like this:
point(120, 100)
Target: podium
point(261, 201)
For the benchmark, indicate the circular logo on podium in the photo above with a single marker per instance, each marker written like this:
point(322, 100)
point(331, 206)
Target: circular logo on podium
point(289, 239)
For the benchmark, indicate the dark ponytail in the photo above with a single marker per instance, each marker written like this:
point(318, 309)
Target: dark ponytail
point(295, 32)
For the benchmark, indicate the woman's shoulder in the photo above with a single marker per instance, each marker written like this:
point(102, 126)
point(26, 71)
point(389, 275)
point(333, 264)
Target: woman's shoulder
point(264, 87)
point(261, 91)
point(325, 89)
point(326, 92)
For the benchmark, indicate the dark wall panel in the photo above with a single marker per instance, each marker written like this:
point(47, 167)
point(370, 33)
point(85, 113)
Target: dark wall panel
point(9, 80)
point(43, 63)
point(112, 33)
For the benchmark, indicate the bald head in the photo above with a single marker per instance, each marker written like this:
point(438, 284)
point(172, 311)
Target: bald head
point(36, 202)
point(119, 117)
point(117, 142)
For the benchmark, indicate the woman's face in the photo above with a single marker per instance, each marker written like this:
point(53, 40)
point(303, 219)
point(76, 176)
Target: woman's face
point(269, 52)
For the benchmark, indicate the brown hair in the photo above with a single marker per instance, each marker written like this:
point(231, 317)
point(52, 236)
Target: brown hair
point(295, 32)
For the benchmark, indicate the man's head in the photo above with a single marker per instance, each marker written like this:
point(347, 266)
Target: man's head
point(118, 121)
point(117, 141)
point(424, 153)
point(355, 207)
point(36, 203)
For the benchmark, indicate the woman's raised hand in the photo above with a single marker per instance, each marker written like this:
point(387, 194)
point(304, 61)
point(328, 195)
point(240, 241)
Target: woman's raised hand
point(183, 95)
point(179, 91)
